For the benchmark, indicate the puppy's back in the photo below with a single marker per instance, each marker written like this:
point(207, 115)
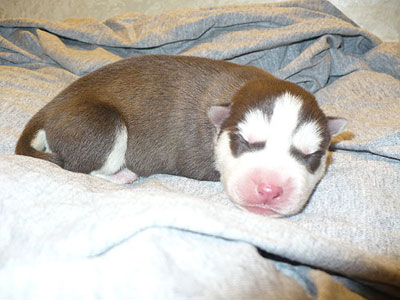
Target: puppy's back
point(163, 102)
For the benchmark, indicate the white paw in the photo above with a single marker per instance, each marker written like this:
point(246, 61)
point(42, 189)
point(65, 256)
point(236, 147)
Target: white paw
point(124, 176)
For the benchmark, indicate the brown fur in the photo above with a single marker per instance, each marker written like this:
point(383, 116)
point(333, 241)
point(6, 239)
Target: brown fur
point(162, 100)
point(164, 103)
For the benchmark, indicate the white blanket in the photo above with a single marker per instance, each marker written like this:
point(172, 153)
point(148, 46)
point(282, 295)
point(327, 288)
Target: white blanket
point(65, 235)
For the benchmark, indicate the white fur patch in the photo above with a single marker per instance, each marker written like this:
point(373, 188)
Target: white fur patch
point(278, 131)
point(283, 122)
point(255, 127)
point(307, 138)
point(39, 142)
point(124, 176)
point(116, 159)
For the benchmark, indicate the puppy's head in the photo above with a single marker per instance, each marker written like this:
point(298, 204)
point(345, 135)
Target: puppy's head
point(272, 145)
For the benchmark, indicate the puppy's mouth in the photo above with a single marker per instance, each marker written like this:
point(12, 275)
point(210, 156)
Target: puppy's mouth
point(262, 209)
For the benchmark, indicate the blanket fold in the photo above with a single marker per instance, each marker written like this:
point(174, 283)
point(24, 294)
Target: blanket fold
point(107, 241)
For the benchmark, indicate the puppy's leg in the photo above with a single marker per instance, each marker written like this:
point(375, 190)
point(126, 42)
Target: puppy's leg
point(124, 176)
point(111, 169)
point(92, 138)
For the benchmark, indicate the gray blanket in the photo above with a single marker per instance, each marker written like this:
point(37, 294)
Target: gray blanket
point(65, 235)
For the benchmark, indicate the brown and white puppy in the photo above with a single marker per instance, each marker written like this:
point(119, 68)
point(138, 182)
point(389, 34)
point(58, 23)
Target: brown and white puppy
point(266, 139)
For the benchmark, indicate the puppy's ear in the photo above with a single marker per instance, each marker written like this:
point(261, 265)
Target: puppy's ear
point(218, 114)
point(336, 125)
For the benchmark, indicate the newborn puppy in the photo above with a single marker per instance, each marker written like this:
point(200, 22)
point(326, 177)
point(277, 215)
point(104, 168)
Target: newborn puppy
point(266, 139)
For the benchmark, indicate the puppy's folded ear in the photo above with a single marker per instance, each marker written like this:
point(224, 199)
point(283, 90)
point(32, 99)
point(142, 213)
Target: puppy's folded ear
point(336, 125)
point(218, 114)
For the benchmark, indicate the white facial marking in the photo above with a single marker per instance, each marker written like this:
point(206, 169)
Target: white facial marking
point(307, 138)
point(255, 126)
point(116, 159)
point(283, 122)
point(274, 163)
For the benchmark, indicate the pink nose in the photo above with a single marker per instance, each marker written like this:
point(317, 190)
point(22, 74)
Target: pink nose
point(269, 192)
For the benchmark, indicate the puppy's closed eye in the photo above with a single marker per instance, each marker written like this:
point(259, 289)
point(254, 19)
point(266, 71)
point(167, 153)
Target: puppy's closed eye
point(312, 160)
point(241, 145)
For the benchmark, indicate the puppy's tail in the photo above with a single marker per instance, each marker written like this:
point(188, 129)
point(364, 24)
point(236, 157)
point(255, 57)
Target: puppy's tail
point(33, 142)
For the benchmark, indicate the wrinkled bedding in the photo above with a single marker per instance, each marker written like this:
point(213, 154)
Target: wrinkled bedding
point(65, 235)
